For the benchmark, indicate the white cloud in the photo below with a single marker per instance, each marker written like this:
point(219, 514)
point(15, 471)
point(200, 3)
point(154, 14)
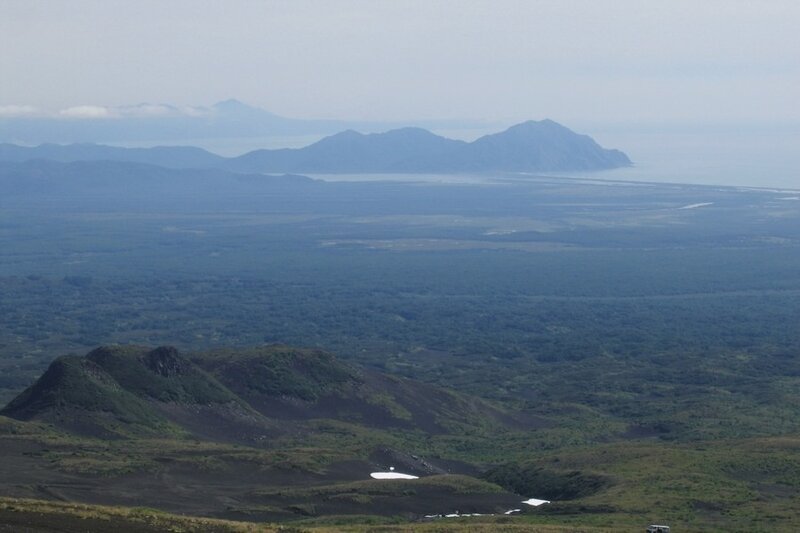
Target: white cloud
point(145, 110)
point(133, 111)
point(17, 110)
point(194, 111)
point(87, 111)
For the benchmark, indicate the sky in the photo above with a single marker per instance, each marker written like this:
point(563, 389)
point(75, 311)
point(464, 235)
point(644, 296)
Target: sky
point(713, 61)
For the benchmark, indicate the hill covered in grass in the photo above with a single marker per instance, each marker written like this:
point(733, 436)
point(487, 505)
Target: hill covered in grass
point(237, 395)
point(268, 434)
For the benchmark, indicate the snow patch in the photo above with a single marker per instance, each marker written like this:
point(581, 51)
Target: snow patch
point(534, 502)
point(392, 475)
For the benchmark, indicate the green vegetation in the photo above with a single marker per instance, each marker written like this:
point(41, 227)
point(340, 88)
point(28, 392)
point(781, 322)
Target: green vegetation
point(280, 371)
point(132, 390)
point(161, 374)
point(73, 387)
point(545, 483)
point(635, 362)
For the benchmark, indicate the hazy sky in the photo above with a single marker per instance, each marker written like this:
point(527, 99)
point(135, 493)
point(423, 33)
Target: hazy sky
point(591, 60)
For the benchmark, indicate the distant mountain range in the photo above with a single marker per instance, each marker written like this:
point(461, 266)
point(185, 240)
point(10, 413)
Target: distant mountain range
point(163, 156)
point(164, 122)
point(122, 185)
point(528, 147)
point(532, 146)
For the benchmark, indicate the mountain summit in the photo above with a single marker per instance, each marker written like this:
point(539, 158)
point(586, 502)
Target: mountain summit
point(544, 145)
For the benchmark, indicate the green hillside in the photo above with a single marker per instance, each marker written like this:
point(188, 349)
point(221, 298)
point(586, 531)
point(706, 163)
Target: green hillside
point(78, 395)
point(140, 387)
point(278, 434)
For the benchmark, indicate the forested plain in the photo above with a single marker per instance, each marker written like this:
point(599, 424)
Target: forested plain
point(641, 320)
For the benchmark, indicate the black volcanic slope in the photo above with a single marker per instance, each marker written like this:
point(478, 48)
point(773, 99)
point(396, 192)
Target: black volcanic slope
point(531, 146)
point(235, 395)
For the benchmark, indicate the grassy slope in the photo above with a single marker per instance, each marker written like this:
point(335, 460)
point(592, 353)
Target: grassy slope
point(77, 394)
point(724, 485)
point(734, 485)
point(743, 485)
point(161, 374)
point(35, 516)
point(279, 371)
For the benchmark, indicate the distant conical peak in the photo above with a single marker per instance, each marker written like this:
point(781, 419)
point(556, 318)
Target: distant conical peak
point(231, 103)
point(233, 106)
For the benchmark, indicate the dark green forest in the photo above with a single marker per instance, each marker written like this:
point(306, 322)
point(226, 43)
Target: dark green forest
point(648, 330)
point(610, 298)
